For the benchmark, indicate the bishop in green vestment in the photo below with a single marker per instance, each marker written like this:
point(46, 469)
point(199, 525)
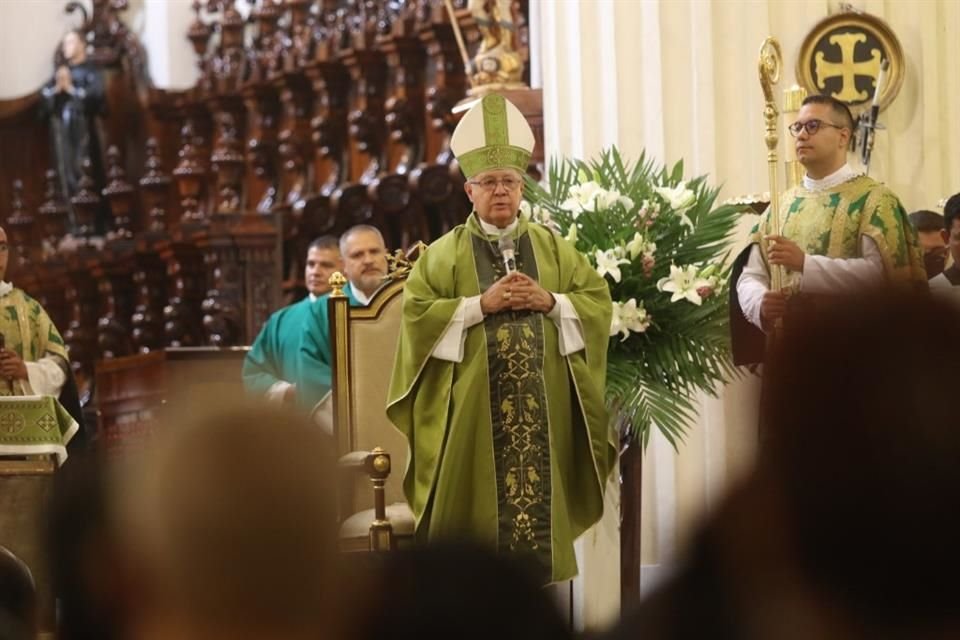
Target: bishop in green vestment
point(840, 232)
point(270, 366)
point(498, 382)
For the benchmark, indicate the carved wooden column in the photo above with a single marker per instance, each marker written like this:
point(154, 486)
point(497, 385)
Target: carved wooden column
point(331, 83)
point(20, 239)
point(368, 72)
point(81, 333)
point(262, 103)
point(114, 268)
point(397, 207)
point(227, 67)
point(439, 187)
point(224, 297)
point(50, 290)
point(149, 275)
point(185, 270)
point(296, 99)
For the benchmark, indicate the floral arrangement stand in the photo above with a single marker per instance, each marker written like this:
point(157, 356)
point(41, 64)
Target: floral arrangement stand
point(663, 247)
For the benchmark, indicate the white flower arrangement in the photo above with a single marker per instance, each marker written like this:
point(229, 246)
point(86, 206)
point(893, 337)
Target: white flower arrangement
point(660, 244)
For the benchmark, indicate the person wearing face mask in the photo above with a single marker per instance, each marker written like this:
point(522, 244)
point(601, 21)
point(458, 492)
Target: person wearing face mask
point(498, 381)
point(270, 366)
point(365, 268)
point(841, 232)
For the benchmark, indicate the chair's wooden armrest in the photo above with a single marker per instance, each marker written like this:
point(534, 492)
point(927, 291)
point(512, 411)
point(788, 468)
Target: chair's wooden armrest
point(376, 462)
point(354, 459)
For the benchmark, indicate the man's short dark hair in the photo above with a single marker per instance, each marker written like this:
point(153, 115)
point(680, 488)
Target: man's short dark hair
point(840, 110)
point(925, 220)
point(325, 242)
point(951, 211)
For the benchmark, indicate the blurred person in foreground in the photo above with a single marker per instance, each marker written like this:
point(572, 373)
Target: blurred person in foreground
point(453, 591)
point(18, 599)
point(848, 526)
point(226, 529)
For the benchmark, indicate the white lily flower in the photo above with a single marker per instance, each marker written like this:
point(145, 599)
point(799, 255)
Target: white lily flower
point(680, 199)
point(616, 322)
point(683, 284)
point(609, 263)
point(629, 316)
point(635, 246)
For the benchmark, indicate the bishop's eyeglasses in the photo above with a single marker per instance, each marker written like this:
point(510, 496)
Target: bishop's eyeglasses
point(810, 126)
point(489, 184)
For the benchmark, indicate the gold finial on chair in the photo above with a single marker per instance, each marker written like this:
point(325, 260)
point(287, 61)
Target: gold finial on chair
point(337, 282)
point(381, 461)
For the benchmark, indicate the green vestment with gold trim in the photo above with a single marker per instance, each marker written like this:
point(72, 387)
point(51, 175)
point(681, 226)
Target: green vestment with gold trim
point(28, 330)
point(510, 447)
point(831, 223)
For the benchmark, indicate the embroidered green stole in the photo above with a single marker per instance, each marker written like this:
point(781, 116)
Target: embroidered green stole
point(518, 411)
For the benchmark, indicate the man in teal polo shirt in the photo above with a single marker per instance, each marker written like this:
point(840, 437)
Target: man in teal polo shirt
point(365, 267)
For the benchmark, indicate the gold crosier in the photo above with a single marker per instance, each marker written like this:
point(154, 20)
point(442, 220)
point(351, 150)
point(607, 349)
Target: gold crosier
point(770, 62)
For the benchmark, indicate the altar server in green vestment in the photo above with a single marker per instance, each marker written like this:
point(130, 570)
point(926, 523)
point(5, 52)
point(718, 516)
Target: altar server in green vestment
point(365, 268)
point(33, 358)
point(841, 232)
point(498, 382)
point(270, 367)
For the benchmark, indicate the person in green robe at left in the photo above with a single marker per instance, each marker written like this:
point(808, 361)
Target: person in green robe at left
point(498, 382)
point(33, 356)
point(365, 268)
point(270, 368)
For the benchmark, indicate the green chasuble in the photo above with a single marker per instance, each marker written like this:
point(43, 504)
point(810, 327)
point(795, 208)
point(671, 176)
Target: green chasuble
point(273, 356)
point(831, 222)
point(314, 373)
point(511, 447)
point(28, 330)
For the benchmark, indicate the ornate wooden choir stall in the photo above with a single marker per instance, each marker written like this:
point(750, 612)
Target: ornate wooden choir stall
point(191, 219)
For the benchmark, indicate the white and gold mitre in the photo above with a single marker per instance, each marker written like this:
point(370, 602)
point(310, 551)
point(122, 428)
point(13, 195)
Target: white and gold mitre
point(493, 134)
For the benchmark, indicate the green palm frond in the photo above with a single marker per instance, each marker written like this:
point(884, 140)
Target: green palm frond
point(654, 376)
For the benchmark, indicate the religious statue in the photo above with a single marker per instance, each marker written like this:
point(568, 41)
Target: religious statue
point(72, 100)
point(497, 64)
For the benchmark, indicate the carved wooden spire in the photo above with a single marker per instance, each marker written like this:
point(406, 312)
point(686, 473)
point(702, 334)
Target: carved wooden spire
point(190, 175)
point(155, 186)
point(53, 213)
point(228, 163)
point(119, 193)
point(86, 203)
point(20, 229)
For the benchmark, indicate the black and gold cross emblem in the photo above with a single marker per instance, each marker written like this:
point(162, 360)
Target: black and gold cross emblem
point(841, 56)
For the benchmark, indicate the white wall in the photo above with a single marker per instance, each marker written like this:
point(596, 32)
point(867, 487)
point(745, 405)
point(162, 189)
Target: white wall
point(31, 30)
point(679, 79)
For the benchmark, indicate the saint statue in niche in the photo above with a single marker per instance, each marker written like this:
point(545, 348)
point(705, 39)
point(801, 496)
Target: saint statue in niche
point(72, 100)
point(497, 63)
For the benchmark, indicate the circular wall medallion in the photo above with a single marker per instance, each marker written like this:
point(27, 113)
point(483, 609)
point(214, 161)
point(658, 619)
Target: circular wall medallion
point(841, 57)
